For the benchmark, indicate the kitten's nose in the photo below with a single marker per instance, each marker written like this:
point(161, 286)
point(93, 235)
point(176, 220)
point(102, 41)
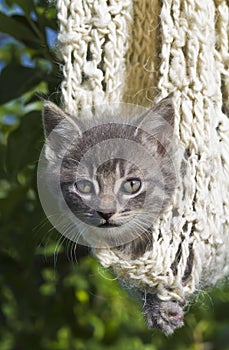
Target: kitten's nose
point(105, 216)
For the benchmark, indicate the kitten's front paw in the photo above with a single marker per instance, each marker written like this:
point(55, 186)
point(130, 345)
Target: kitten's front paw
point(164, 315)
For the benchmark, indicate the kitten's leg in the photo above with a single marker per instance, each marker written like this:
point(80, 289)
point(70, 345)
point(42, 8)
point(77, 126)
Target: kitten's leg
point(165, 315)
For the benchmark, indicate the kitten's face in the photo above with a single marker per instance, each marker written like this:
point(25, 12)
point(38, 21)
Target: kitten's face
point(115, 177)
point(106, 197)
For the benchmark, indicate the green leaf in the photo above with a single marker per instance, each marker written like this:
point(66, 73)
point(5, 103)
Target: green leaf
point(16, 80)
point(26, 6)
point(2, 157)
point(14, 27)
point(24, 143)
point(37, 39)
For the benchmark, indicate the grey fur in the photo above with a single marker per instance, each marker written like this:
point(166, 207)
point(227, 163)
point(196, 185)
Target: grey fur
point(164, 315)
point(119, 146)
point(151, 162)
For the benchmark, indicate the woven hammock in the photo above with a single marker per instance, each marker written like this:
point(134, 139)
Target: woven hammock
point(136, 51)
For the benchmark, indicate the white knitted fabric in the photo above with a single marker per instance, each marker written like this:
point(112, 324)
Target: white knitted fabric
point(131, 50)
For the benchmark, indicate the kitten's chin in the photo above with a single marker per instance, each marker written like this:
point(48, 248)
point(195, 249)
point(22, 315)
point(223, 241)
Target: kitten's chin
point(107, 236)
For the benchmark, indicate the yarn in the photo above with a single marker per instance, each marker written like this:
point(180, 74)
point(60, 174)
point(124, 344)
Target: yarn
point(129, 51)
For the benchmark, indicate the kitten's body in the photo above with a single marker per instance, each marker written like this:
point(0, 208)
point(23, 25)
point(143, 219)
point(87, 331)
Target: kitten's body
point(115, 173)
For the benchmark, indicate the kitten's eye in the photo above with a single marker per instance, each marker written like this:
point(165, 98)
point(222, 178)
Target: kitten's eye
point(84, 186)
point(131, 186)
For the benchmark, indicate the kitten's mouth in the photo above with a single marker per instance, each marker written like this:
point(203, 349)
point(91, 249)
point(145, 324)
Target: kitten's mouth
point(108, 225)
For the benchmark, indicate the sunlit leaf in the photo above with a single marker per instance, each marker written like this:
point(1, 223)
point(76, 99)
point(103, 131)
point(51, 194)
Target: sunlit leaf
point(82, 296)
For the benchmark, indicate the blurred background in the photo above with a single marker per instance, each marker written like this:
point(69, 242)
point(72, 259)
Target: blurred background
point(54, 295)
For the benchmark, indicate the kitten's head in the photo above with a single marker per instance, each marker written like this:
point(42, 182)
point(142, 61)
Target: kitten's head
point(112, 173)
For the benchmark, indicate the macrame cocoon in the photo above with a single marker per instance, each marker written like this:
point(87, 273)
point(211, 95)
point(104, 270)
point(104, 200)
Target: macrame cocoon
point(129, 51)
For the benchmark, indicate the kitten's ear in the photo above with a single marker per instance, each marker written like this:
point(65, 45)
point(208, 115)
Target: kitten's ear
point(60, 130)
point(159, 122)
point(52, 116)
point(165, 109)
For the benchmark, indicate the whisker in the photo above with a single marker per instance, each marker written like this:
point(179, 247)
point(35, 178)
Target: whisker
point(57, 248)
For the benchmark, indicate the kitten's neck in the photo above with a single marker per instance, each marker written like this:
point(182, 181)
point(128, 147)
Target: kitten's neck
point(136, 248)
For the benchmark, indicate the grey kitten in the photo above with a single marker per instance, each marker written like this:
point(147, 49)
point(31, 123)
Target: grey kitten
point(113, 174)
point(115, 171)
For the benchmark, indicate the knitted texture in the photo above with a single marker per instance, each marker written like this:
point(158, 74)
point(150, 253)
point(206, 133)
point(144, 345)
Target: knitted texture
point(131, 50)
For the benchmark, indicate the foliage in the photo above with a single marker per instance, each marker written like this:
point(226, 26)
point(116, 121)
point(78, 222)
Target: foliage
point(50, 300)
